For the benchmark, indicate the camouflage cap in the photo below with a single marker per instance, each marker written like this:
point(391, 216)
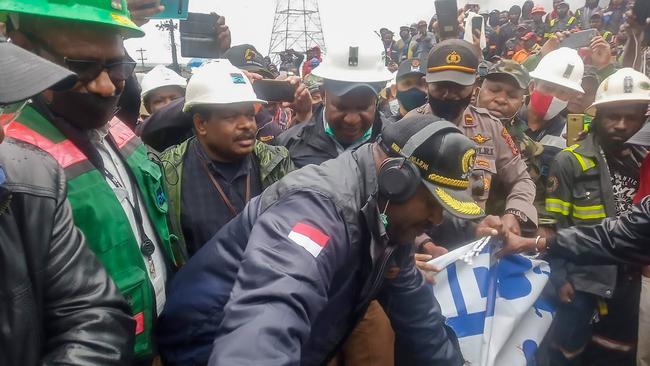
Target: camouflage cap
point(513, 69)
point(312, 82)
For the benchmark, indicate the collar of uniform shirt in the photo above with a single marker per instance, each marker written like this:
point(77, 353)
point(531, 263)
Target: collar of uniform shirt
point(99, 134)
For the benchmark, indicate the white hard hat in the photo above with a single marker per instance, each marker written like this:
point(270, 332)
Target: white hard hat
point(158, 77)
point(219, 82)
point(625, 85)
point(358, 59)
point(563, 67)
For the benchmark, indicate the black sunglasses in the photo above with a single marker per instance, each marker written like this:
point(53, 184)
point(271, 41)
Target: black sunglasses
point(88, 70)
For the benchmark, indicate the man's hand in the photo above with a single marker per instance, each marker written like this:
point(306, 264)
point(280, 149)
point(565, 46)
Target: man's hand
point(433, 250)
point(428, 271)
point(510, 224)
point(636, 26)
point(430, 251)
point(141, 10)
point(601, 52)
point(490, 226)
point(515, 244)
point(222, 33)
point(301, 104)
point(553, 43)
point(252, 77)
point(566, 293)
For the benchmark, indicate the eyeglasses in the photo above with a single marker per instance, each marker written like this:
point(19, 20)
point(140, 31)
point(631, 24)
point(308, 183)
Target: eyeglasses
point(10, 112)
point(89, 70)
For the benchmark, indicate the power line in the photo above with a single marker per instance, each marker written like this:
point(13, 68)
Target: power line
point(141, 51)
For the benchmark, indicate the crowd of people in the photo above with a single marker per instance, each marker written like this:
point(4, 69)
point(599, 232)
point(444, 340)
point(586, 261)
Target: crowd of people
point(159, 220)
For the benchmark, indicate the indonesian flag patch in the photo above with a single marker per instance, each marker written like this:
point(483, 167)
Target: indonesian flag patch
point(309, 237)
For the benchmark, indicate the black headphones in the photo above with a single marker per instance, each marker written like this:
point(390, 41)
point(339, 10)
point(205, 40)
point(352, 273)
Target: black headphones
point(399, 178)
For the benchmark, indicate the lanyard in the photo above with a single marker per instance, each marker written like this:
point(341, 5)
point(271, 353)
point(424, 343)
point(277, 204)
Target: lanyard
point(147, 247)
point(225, 198)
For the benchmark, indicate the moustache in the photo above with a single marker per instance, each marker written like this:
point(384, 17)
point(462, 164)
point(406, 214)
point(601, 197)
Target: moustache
point(248, 135)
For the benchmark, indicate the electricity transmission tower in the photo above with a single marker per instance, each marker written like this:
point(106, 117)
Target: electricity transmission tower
point(297, 26)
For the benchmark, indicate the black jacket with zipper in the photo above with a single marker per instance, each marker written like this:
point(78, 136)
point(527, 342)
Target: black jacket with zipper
point(285, 281)
point(579, 192)
point(624, 239)
point(57, 304)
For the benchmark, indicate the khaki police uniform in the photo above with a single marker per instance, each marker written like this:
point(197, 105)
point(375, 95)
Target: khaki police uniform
point(497, 158)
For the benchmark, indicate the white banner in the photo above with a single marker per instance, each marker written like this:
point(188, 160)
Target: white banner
point(494, 306)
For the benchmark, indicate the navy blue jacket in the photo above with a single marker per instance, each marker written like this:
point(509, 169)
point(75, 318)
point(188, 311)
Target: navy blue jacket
point(271, 297)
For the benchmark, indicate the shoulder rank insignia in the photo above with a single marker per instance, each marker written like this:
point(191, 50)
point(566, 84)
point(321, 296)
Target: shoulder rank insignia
point(480, 139)
point(510, 142)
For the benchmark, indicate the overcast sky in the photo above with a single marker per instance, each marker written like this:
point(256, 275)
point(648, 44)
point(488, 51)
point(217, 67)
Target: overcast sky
point(251, 21)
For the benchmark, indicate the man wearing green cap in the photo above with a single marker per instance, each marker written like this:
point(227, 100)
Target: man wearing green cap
point(116, 193)
point(503, 92)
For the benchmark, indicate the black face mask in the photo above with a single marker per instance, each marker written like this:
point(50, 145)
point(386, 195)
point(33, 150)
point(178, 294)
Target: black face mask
point(85, 111)
point(411, 98)
point(449, 109)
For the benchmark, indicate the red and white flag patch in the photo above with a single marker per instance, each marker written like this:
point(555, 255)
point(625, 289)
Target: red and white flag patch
point(309, 237)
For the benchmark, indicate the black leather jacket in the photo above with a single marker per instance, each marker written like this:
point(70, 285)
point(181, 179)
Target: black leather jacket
point(57, 304)
point(616, 240)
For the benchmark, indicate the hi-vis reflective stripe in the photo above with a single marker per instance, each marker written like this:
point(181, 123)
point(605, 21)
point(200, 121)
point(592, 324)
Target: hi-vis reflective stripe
point(558, 206)
point(120, 132)
point(589, 212)
point(579, 212)
point(65, 153)
point(585, 163)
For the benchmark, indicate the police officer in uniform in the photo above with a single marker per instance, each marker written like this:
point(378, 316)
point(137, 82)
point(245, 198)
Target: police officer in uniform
point(451, 74)
point(503, 92)
point(295, 271)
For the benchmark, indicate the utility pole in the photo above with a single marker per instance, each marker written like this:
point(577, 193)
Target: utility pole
point(142, 58)
point(168, 25)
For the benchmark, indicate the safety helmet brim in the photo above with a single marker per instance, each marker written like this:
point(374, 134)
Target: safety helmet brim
point(557, 81)
point(593, 109)
point(76, 12)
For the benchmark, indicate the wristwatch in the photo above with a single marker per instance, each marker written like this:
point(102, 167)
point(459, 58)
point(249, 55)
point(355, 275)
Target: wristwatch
point(521, 217)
